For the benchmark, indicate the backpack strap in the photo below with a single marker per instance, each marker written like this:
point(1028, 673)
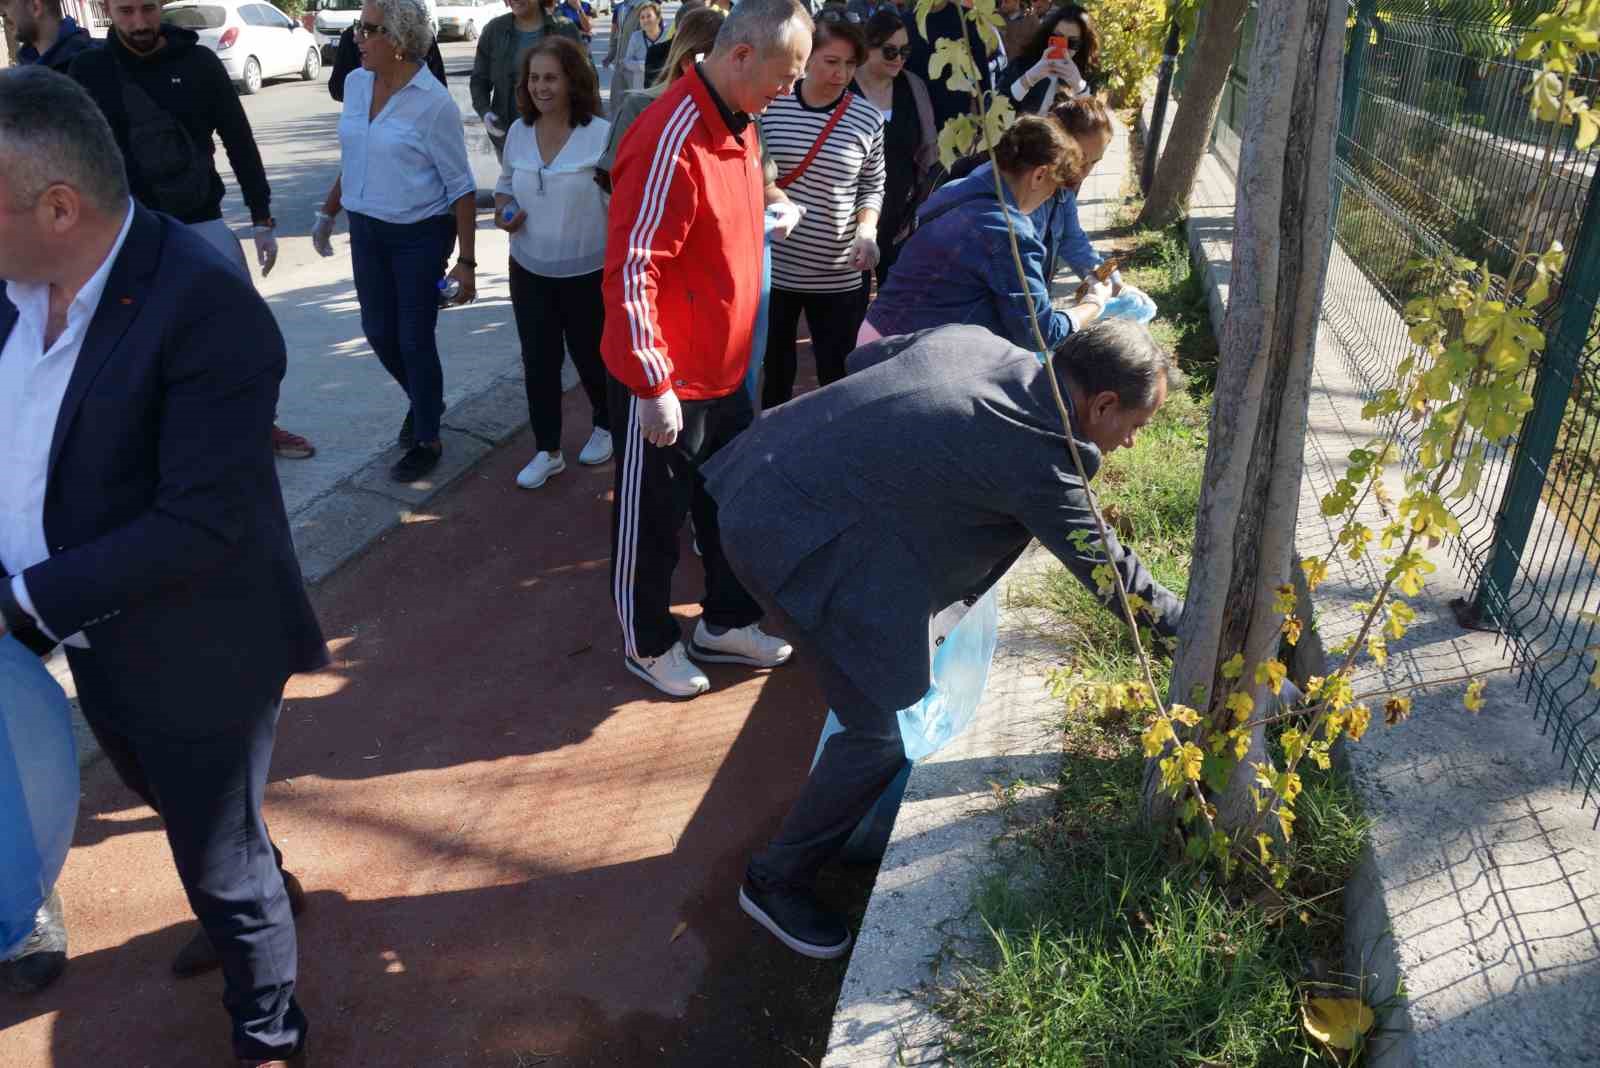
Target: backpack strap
point(785, 181)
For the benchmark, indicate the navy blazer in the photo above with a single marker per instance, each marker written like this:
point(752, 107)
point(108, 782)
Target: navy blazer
point(169, 544)
point(865, 509)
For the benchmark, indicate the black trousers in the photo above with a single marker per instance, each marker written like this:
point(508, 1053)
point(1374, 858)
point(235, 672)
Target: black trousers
point(656, 489)
point(208, 792)
point(553, 315)
point(833, 318)
point(857, 764)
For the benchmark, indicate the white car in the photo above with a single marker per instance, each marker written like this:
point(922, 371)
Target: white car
point(254, 40)
point(464, 19)
point(329, 19)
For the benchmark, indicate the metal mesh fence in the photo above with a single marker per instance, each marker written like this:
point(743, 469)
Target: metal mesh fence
point(1437, 153)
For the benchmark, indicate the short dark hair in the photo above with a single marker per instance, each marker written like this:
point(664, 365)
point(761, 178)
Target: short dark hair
point(51, 131)
point(884, 24)
point(1087, 57)
point(1033, 141)
point(1120, 356)
point(830, 28)
point(583, 84)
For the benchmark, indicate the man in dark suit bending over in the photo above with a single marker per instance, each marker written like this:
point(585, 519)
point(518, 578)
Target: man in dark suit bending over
point(862, 510)
point(141, 522)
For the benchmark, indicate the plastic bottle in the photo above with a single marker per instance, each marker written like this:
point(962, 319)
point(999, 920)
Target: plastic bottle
point(449, 288)
point(509, 212)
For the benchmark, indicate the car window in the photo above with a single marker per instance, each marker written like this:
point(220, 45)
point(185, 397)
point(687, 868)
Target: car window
point(251, 14)
point(279, 19)
point(201, 17)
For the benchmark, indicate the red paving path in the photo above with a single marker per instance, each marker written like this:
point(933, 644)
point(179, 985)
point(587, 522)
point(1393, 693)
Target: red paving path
point(500, 829)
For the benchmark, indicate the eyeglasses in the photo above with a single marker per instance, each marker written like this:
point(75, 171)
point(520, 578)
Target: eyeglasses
point(369, 29)
point(894, 52)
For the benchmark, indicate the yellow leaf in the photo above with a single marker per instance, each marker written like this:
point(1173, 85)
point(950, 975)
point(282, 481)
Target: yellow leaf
point(1241, 705)
point(1233, 667)
point(1588, 129)
point(1337, 1022)
point(1271, 674)
point(1396, 710)
point(1156, 736)
point(1285, 600)
point(1286, 821)
point(1360, 716)
point(1291, 630)
point(1474, 697)
point(1193, 758)
point(1264, 845)
point(1316, 571)
point(1184, 715)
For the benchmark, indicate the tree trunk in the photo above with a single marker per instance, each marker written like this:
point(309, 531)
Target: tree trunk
point(1245, 533)
point(9, 58)
point(1206, 75)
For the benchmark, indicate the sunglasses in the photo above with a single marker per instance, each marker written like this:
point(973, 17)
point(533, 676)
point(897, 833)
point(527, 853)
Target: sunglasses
point(369, 29)
point(894, 52)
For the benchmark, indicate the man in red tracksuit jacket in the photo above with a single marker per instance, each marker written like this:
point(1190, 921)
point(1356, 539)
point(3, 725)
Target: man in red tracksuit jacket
point(682, 285)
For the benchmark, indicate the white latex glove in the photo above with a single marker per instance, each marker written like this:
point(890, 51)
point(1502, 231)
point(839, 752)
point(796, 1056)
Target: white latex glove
point(1092, 305)
point(322, 234)
point(782, 217)
point(491, 122)
point(864, 251)
point(266, 249)
point(661, 418)
point(1063, 69)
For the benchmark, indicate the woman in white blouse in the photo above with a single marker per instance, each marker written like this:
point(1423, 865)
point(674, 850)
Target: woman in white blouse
point(405, 179)
point(549, 175)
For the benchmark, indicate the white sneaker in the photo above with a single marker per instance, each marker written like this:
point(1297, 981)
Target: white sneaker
point(671, 672)
point(539, 470)
point(741, 645)
point(598, 448)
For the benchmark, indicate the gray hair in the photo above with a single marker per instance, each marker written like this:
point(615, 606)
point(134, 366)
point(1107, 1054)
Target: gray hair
point(405, 22)
point(52, 132)
point(1121, 356)
point(764, 25)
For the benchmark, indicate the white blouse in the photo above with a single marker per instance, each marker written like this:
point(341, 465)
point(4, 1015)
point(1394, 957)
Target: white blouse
point(564, 234)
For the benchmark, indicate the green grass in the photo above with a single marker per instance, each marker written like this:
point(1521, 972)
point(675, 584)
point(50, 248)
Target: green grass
point(1110, 951)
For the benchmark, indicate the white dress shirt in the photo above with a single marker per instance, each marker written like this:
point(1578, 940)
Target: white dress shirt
point(33, 382)
point(565, 232)
point(409, 163)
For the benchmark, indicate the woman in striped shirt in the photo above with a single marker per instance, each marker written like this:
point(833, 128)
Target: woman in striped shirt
point(828, 146)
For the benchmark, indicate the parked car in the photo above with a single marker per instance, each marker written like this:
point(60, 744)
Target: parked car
point(462, 19)
point(254, 40)
point(330, 18)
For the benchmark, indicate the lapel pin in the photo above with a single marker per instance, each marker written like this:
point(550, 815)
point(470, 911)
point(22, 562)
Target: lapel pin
point(127, 300)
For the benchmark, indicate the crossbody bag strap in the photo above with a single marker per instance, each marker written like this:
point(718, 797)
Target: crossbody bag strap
point(793, 176)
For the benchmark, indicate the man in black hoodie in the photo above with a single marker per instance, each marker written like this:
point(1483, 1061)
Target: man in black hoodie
point(165, 97)
point(45, 37)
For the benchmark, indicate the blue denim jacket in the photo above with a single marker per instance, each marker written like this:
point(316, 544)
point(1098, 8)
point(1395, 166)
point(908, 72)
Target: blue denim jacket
point(1056, 220)
point(957, 268)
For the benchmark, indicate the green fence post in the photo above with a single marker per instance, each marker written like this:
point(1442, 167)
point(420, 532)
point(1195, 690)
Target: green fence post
point(1551, 391)
point(1354, 61)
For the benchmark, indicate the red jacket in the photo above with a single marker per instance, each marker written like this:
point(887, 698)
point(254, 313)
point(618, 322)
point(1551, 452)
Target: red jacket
point(683, 249)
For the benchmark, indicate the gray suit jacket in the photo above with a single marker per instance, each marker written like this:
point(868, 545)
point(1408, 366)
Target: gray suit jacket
point(864, 509)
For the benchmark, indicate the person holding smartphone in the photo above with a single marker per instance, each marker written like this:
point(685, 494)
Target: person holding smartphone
point(1062, 58)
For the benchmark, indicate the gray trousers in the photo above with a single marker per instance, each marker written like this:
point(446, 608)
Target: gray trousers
point(857, 764)
point(220, 236)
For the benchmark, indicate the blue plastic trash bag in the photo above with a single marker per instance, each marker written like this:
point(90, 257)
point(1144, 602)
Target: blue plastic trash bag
point(960, 673)
point(1131, 303)
point(38, 789)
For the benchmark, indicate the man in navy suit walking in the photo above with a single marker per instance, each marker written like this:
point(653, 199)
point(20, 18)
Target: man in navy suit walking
point(141, 521)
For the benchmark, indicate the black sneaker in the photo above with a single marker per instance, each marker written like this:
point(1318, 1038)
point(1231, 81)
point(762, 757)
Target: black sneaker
point(408, 435)
point(797, 920)
point(418, 461)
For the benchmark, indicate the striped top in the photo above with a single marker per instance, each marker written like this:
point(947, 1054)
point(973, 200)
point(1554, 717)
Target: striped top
point(846, 176)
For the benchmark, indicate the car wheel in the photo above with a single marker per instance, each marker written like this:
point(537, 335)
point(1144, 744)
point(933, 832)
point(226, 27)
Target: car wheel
point(472, 31)
point(313, 65)
point(252, 78)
